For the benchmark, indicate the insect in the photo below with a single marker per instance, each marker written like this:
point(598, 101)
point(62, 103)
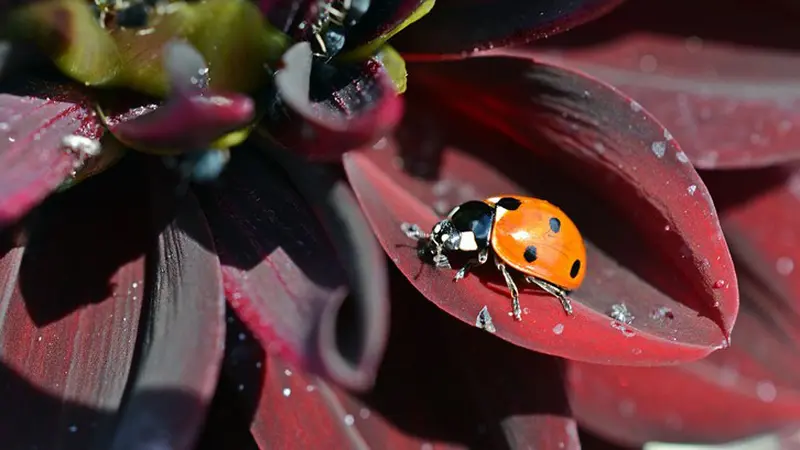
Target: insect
point(525, 234)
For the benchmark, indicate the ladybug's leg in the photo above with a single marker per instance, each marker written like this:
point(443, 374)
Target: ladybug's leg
point(553, 290)
point(511, 287)
point(413, 231)
point(483, 256)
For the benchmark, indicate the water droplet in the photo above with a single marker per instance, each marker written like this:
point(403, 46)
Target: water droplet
point(659, 148)
point(364, 413)
point(287, 392)
point(682, 158)
point(719, 284)
point(635, 106)
point(558, 329)
point(349, 420)
point(784, 265)
point(766, 391)
point(691, 189)
point(648, 63)
point(287, 372)
point(620, 313)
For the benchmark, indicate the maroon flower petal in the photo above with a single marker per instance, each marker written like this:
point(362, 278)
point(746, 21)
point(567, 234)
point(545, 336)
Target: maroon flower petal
point(70, 315)
point(177, 373)
point(193, 117)
point(748, 389)
point(751, 387)
point(412, 408)
point(730, 99)
point(578, 143)
point(285, 280)
point(461, 27)
point(42, 143)
point(325, 110)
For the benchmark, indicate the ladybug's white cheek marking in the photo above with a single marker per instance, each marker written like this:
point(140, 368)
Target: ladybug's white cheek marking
point(467, 242)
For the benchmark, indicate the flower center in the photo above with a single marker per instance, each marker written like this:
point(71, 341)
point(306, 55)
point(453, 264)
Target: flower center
point(327, 22)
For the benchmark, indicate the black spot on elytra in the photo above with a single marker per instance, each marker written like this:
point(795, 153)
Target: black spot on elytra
point(555, 224)
point(576, 267)
point(530, 254)
point(509, 203)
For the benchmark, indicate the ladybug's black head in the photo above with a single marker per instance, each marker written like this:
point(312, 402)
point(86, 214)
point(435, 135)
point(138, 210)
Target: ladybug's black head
point(445, 236)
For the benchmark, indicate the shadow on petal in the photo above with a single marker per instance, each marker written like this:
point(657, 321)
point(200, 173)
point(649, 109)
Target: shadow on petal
point(456, 28)
point(730, 98)
point(285, 279)
point(182, 344)
point(79, 239)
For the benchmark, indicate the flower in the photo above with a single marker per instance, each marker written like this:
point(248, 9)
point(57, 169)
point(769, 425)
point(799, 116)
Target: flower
point(117, 263)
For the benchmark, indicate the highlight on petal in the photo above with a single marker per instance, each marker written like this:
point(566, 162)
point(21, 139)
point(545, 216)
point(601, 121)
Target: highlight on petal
point(180, 362)
point(43, 143)
point(457, 28)
point(381, 22)
point(285, 279)
point(730, 99)
point(666, 293)
point(71, 315)
point(324, 109)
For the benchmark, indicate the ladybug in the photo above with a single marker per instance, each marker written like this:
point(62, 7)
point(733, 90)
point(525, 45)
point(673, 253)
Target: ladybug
point(524, 234)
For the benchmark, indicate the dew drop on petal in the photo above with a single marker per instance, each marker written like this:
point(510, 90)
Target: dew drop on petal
point(635, 106)
point(691, 189)
point(659, 148)
point(558, 329)
point(349, 420)
point(620, 313)
point(784, 266)
point(682, 157)
point(287, 392)
point(766, 391)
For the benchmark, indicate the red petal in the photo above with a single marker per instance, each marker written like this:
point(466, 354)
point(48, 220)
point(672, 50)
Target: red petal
point(284, 278)
point(574, 129)
point(178, 369)
point(34, 157)
point(356, 106)
point(412, 408)
point(748, 389)
point(730, 99)
point(70, 316)
point(458, 28)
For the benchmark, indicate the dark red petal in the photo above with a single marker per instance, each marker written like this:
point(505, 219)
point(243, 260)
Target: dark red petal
point(460, 27)
point(70, 315)
point(191, 122)
point(578, 143)
point(748, 389)
point(178, 369)
point(347, 106)
point(410, 407)
point(35, 158)
point(285, 280)
point(729, 98)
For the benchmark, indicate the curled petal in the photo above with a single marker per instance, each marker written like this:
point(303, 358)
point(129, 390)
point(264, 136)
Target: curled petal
point(184, 123)
point(457, 28)
point(284, 279)
point(71, 314)
point(730, 100)
point(324, 109)
point(177, 373)
point(42, 143)
point(575, 142)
